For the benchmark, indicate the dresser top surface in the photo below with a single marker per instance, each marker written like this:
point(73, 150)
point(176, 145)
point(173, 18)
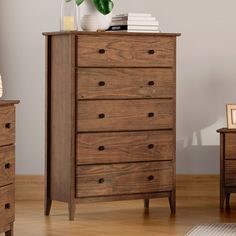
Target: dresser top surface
point(226, 130)
point(110, 33)
point(8, 102)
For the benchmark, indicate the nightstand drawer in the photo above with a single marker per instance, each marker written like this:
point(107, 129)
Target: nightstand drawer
point(125, 51)
point(124, 147)
point(115, 83)
point(7, 207)
point(230, 146)
point(122, 115)
point(7, 165)
point(104, 180)
point(230, 173)
point(7, 125)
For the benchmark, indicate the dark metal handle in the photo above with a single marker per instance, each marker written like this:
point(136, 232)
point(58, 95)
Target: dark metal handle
point(7, 166)
point(101, 83)
point(151, 114)
point(151, 51)
point(101, 116)
point(8, 125)
point(100, 181)
point(151, 177)
point(7, 206)
point(101, 148)
point(151, 83)
point(102, 51)
point(150, 146)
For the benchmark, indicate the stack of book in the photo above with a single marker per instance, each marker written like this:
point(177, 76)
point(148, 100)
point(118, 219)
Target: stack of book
point(135, 22)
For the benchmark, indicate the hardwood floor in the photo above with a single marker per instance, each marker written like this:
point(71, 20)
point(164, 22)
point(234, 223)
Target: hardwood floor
point(197, 203)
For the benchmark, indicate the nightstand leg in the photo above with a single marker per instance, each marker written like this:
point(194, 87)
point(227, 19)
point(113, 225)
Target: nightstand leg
point(146, 203)
point(172, 202)
point(48, 204)
point(72, 208)
point(222, 199)
point(10, 232)
point(227, 200)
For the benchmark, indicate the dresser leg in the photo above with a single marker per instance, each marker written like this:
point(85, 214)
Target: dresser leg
point(10, 232)
point(72, 208)
point(222, 199)
point(227, 200)
point(47, 207)
point(146, 203)
point(172, 202)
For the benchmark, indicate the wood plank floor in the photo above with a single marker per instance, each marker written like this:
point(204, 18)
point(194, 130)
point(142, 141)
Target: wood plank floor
point(197, 203)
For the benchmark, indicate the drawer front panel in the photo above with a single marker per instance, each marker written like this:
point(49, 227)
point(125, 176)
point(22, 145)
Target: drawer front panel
point(103, 180)
point(7, 165)
point(125, 147)
point(7, 125)
point(7, 207)
point(230, 146)
point(125, 51)
point(230, 173)
point(124, 115)
point(115, 83)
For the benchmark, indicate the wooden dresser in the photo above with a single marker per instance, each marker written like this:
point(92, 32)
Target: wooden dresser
point(227, 165)
point(7, 166)
point(110, 120)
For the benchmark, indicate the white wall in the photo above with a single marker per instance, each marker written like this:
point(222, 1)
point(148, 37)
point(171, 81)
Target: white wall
point(206, 72)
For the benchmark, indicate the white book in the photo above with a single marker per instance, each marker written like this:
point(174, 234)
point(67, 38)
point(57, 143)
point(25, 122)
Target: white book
point(134, 18)
point(132, 22)
point(140, 31)
point(135, 14)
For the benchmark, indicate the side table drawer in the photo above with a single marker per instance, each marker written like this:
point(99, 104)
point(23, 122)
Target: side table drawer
point(125, 115)
point(125, 51)
point(121, 147)
point(104, 180)
point(7, 125)
point(230, 173)
point(7, 207)
point(7, 165)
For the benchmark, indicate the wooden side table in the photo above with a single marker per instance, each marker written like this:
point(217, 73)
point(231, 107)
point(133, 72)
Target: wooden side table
point(227, 165)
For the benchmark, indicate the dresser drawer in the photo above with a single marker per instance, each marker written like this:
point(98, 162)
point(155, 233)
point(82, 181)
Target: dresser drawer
point(230, 173)
point(7, 165)
point(124, 147)
point(125, 51)
point(7, 125)
point(6, 205)
point(230, 146)
point(103, 180)
point(115, 83)
point(119, 115)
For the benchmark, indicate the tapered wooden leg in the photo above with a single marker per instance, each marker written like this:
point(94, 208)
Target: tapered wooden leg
point(72, 208)
point(222, 199)
point(10, 232)
point(146, 204)
point(172, 202)
point(227, 200)
point(47, 207)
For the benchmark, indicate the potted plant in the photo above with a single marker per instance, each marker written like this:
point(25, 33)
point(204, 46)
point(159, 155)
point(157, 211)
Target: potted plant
point(95, 14)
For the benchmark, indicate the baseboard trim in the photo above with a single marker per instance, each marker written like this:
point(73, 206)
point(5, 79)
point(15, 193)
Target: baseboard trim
point(31, 187)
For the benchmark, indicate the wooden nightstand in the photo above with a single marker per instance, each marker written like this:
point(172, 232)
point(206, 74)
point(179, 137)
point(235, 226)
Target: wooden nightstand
point(227, 164)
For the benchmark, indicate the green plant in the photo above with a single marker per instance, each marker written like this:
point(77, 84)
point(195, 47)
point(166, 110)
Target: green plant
point(103, 6)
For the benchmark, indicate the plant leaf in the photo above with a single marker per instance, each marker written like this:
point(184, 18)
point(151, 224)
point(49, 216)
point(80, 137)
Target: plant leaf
point(67, 0)
point(78, 2)
point(104, 6)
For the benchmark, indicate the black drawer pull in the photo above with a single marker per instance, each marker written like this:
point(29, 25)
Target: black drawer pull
point(101, 148)
point(151, 83)
point(150, 146)
point(151, 114)
point(102, 51)
point(151, 177)
point(101, 116)
point(7, 166)
point(8, 125)
point(101, 83)
point(100, 181)
point(151, 51)
point(7, 206)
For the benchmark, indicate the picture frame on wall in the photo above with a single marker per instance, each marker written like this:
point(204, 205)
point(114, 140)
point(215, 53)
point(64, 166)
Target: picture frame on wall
point(231, 116)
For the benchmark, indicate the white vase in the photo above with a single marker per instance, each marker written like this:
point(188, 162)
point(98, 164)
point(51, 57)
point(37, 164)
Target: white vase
point(91, 19)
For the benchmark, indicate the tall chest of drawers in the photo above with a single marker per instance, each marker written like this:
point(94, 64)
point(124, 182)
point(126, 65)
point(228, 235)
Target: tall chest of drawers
point(110, 117)
point(7, 166)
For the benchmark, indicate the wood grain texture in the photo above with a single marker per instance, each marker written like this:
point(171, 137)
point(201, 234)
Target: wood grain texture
point(7, 165)
point(124, 147)
point(124, 115)
point(7, 206)
point(125, 51)
point(116, 83)
point(230, 173)
point(7, 125)
point(97, 180)
point(230, 145)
